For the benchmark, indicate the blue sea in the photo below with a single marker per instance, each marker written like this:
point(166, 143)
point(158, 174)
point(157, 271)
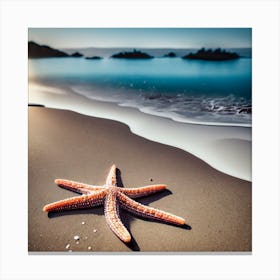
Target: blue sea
point(191, 91)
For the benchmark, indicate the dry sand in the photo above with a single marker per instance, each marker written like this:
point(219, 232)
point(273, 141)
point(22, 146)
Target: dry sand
point(64, 144)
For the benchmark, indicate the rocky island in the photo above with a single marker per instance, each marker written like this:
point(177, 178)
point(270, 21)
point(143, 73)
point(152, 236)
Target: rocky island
point(170, 54)
point(209, 54)
point(132, 55)
point(76, 54)
point(94, 57)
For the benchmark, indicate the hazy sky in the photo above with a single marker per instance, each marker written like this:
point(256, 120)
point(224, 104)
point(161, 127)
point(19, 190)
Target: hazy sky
point(142, 37)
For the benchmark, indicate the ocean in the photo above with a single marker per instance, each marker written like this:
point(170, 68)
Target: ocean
point(188, 91)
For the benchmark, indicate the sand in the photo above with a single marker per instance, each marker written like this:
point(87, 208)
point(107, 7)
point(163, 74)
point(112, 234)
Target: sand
point(64, 144)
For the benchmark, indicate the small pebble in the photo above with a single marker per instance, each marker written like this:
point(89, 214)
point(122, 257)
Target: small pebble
point(89, 248)
point(67, 246)
point(95, 230)
point(76, 237)
point(151, 180)
point(77, 242)
point(83, 223)
point(85, 237)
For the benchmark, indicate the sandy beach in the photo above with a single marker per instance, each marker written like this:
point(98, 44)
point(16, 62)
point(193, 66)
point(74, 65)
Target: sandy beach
point(65, 144)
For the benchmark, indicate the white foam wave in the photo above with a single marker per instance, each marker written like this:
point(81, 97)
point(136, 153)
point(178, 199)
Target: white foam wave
point(223, 111)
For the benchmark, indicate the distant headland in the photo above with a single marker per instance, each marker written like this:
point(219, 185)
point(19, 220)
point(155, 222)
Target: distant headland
point(209, 54)
point(132, 55)
point(41, 51)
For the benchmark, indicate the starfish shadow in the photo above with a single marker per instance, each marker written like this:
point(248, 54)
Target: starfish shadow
point(132, 245)
point(119, 178)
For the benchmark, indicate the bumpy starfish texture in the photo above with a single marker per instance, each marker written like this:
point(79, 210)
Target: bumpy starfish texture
point(112, 197)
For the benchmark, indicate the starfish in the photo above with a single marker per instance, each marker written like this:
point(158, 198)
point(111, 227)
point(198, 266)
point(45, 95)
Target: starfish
point(112, 196)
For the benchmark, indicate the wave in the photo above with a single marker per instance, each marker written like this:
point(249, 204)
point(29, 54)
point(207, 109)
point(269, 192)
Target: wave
point(180, 107)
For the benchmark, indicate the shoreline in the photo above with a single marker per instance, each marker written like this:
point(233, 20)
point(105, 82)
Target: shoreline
point(219, 146)
point(150, 111)
point(66, 144)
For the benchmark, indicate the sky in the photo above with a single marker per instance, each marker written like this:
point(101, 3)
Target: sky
point(142, 37)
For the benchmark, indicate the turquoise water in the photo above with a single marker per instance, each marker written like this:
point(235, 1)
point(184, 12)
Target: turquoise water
point(196, 91)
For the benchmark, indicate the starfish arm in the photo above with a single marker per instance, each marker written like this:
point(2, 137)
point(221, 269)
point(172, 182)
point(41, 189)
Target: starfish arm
point(111, 179)
point(77, 187)
point(143, 191)
point(148, 212)
point(113, 219)
point(77, 202)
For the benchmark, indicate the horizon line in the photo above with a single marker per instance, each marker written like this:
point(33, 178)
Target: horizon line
point(137, 47)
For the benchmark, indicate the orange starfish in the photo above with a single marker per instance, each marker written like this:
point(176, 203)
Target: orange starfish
point(112, 197)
